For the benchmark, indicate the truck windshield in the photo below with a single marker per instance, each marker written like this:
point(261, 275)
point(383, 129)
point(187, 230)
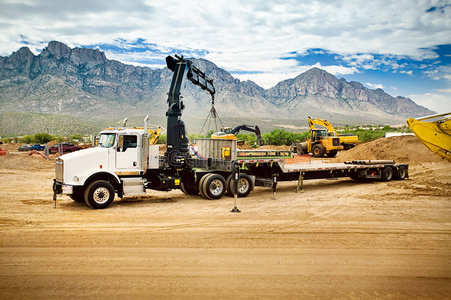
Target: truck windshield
point(107, 140)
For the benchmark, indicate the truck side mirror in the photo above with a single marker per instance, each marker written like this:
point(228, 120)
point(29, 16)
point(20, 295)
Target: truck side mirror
point(120, 143)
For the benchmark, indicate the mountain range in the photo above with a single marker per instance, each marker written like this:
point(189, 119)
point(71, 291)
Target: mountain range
point(82, 82)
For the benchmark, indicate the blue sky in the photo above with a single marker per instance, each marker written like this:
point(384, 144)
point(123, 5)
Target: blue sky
point(403, 47)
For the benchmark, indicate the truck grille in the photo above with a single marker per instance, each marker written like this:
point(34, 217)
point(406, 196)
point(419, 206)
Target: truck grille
point(59, 168)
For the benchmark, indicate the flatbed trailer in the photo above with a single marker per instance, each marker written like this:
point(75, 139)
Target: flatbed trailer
point(267, 167)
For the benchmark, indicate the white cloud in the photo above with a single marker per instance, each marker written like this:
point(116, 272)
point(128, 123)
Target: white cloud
point(374, 85)
point(239, 35)
point(437, 102)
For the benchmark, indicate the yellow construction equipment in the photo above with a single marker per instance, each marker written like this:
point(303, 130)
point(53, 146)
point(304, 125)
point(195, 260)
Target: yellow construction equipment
point(325, 141)
point(154, 135)
point(435, 134)
point(230, 133)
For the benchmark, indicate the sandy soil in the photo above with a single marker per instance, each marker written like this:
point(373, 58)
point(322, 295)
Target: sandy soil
point(337, 239)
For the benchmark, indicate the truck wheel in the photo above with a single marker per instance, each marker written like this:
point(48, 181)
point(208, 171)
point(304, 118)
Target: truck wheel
point(213, 186)
point(189, 188)
point(387, 174)
point(245, 185)
point(99, 194)
point(400, 173)
point(332, 153)
point(318, 150)
point(201, 182)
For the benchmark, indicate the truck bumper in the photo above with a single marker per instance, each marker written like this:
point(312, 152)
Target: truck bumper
point(57, 187)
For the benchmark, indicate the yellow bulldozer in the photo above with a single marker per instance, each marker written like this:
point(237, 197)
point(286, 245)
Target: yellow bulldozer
point(434, 134)
point(324, 141)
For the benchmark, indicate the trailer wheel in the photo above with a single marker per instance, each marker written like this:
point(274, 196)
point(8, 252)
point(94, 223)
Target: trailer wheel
point(332, 153)
point(318, 150)
point(387, 173)
point(99, 194)
point(401, 173)
point(189, 188)
point(213, 187)
point(245, 185)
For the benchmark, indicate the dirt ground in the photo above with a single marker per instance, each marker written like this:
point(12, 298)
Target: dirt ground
point(337, 239)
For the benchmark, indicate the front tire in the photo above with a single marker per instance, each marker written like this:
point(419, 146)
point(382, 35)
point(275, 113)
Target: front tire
point(318, 150)
point(99, 194)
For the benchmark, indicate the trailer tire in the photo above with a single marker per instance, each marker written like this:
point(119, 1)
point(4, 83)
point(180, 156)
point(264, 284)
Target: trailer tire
point(332, 153)
point(245, 185)
point(387, 173)
point(318, 150)
point(189, 188)
point(400, 173)
point(213, 187)
point(99, 194)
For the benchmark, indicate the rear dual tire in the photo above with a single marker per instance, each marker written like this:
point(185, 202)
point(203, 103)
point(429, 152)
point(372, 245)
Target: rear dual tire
point(212, 186)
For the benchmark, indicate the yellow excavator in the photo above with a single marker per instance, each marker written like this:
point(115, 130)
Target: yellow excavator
point(434, 134)
point(325, 141)
point(230, 133)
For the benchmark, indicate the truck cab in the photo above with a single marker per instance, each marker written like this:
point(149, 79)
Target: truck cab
point(114, 166)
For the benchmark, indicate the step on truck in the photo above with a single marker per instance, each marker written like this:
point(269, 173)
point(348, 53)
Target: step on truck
point(125, 163)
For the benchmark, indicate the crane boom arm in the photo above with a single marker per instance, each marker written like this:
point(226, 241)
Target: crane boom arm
point(177, 140)
point(321, 122)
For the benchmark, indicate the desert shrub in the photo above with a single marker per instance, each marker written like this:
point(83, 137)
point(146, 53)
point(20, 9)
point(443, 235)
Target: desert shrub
point(41, 138)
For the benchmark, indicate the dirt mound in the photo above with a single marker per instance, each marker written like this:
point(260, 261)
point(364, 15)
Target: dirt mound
point(273, 147)
point(24, 161)
point(406, 149)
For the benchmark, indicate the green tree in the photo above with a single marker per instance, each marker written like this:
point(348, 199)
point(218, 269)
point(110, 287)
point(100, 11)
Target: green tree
point(25, 139)
point(42, 138)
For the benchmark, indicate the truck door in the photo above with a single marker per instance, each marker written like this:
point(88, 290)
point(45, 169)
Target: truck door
point(127, 153)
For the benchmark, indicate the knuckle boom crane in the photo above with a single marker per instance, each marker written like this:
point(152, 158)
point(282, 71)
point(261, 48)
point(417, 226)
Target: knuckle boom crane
point(177, 151)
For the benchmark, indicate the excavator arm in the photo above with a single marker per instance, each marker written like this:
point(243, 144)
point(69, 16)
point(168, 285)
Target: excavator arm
point(254, 129)
point(155, 135)
point(321, 122)
point(229, 133)
point(435, 134)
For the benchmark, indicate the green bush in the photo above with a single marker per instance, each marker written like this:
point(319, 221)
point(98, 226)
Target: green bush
point(25, 139)
point(282, 137)
point(42, 138)
point(162, 139)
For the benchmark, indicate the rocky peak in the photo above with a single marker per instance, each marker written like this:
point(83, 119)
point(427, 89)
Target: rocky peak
point(22, 56)
point(57, 49)
point(356, 85)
